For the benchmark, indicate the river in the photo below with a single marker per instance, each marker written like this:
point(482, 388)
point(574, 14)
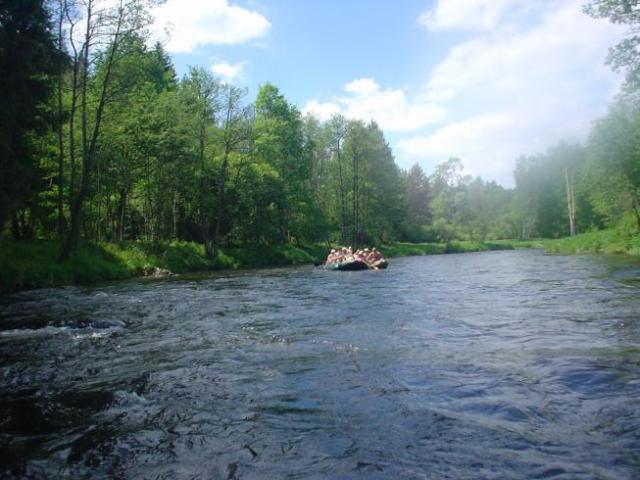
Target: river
point(515, 365)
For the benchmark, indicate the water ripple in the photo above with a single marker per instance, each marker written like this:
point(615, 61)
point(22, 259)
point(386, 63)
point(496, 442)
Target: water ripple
point(492, 365)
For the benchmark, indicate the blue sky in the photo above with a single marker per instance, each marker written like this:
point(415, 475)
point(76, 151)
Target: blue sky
point(483, 80)
point(313, 48)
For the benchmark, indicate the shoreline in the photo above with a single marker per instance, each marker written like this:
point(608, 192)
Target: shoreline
point(33, 264)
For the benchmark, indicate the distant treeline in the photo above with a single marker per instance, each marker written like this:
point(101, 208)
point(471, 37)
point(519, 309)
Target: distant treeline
point(100, 140)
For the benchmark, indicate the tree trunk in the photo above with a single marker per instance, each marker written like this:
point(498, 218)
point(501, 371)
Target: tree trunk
point(89, 146)
point(568, 178)
point(72, 115)
point(61, 219)
point(636, 209)
point(356, 195)
point(174, 214)
point(99, 204)
point(15, 226)
point(204, 225)
point(220, 204)
point(122, 205)
point(343, 207)
point(149, 225)
point(78, 200)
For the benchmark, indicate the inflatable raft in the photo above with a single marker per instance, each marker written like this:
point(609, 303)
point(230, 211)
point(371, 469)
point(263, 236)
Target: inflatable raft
point(357, 265)
point(347, 266)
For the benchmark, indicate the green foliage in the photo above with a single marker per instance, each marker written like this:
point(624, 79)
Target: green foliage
point(407, 249)
point(613, 172)
point(418, 195)
point(29, 62)
point(466, 208)
point(361, 197)
point(625, 55)
point(254, 256)
point(610, 241)
point(280, 143)
point(35, 263)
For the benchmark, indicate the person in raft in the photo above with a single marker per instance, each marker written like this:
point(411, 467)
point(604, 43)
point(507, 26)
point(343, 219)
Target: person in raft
point(338, 256)
point(346, 254)
point(374, 256)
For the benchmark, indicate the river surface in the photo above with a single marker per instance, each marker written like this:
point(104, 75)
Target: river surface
point(515, 365)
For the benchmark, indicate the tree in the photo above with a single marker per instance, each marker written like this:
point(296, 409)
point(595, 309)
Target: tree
point(279, 141)
point(614, 162)
point(624, 56)
point(337, 127)
point(29, 62)
point(372, 185)
point(110, 26)
point(61, 17)
point(418, 194)
point(382, 191)
point(202, 94)
point(356, 142)
point(235, 134)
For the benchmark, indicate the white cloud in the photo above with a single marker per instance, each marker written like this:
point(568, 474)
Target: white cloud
point(565, 46)
point(322, 111)
point(517, 92)
point(362, 86)
point(467, 14)
point(228, 71)
point(192, 23)
point(390, 108)
point(531, 75)
point(486, 143)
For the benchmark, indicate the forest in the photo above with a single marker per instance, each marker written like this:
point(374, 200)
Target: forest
point(101, 141)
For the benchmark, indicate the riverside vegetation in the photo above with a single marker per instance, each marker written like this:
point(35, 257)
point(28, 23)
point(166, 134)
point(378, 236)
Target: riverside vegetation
point(113, 166)
point(34, 264)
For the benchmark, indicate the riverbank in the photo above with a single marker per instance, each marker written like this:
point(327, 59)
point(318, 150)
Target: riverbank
point(610, 241)
point(34, 264)
point(465, 246)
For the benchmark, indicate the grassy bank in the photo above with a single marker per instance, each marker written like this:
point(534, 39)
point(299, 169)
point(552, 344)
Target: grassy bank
point(407, 249)
point(35, 264)
point(610, 241)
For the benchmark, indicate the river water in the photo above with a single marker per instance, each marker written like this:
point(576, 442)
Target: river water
point(490, 365)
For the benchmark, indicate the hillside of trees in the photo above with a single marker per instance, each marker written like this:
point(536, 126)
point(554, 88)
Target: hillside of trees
point(101, 140)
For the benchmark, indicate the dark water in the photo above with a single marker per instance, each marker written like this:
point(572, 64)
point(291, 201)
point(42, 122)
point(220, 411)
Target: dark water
point(492, 365)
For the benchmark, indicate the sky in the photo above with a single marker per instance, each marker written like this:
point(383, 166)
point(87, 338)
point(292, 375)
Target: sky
point(482, 80)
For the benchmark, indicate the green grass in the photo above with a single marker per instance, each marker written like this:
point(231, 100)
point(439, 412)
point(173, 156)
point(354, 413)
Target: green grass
point(35, 263)
point(610, 241)
point(177, 257)
point(406, 249)
point(257, 256)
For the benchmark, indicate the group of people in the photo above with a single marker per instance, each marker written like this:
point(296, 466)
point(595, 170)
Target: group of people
point(345, 254)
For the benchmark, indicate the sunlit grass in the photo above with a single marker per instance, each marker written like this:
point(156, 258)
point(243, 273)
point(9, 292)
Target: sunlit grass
point(36, 263)
point(610, 241)
point(406, 249)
